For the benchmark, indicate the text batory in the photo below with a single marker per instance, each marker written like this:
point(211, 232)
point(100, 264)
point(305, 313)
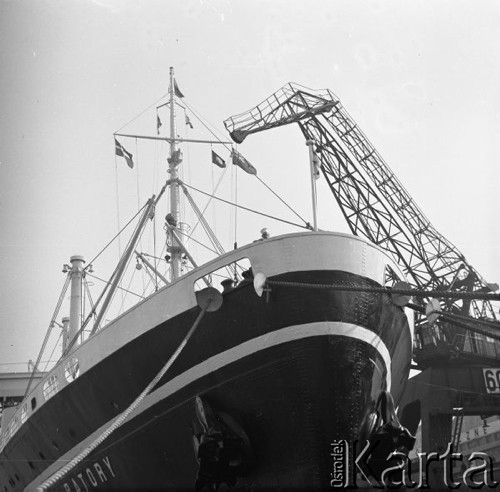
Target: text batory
point(91, 477)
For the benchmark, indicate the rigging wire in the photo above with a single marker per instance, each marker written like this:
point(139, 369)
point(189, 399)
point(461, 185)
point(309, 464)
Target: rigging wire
point(86, 287)
point(107, 282)
point(198, 242)
point(200, 118)
point(154, 249)
point(149, 281)
point(249, 209)
point(281, 200)
point(214, 210)
point(127, 289)
point(159, 258)
point(120, 419)
point(141, 113)
point(115, 236)
point(117, 210)
point(118, 267)
point(93, 311)
point(24, 362)
point(210, 200)
point(205, 225)
point(47, 335)
point(212, 132)
point(137, 174)
point(53, 350)
point(236, 209)
point(138, 194)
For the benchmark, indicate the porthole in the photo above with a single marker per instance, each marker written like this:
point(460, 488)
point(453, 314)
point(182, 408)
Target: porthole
point(42, 456)
point(72, 369)
point(24, 413)
point(50, 387)
point(33, 403)
point(14, 425)
point(31, 465)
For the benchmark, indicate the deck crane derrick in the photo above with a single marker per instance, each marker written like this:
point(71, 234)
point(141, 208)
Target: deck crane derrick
point(377, 206)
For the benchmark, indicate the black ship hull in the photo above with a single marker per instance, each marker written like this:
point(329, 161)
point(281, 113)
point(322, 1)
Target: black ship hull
point(292, 401)
point(289, 372)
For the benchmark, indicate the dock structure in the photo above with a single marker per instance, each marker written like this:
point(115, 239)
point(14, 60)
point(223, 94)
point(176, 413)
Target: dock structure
point(440, 398)
point(12, 389)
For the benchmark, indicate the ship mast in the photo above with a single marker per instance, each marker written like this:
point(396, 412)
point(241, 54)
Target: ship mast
point(175, 245)
point(175, 248)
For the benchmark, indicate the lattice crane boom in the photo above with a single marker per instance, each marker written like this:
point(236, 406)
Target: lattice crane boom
point(373, 201)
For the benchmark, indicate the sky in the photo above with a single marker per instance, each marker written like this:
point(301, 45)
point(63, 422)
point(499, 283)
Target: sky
point(421, 79)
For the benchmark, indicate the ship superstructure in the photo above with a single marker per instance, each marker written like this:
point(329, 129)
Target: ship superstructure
point(305, 343)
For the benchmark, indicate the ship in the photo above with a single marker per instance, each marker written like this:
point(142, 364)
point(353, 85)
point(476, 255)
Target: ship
point(253, 382)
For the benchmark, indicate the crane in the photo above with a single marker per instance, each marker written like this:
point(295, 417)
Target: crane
point(376, 206)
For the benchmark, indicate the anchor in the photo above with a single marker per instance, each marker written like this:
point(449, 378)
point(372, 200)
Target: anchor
point(385, 434)
point(222, 449)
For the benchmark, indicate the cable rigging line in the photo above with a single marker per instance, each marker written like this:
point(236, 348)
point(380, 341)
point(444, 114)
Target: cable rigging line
point(117, 210)
point(211, 235)
point(127, 289)
point(47, 335)
point(249, 209)
point(115, 236)
point(53, 350)
point(281, 200)
point(209, 201)
point(108, 282)
point(140, 114)
point(236, 209)
point(198, 242)
point(199, 117)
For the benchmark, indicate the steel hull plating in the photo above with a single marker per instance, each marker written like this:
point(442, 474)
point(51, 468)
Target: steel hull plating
point(292, 400)
point(296, 370)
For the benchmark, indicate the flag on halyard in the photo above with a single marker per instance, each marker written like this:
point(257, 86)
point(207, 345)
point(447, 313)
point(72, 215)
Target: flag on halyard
point(240, 161)
point(177, 91)
point(188, 121)
point(158, 124)
point(121, 152)
point(218, 160)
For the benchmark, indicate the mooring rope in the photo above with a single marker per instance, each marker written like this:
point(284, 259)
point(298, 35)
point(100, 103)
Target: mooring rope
point(123, 416)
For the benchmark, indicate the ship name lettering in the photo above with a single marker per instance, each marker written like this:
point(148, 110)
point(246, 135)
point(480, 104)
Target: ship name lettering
point(91, 477)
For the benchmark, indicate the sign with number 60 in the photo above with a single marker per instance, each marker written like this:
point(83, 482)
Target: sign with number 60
point(492, 380)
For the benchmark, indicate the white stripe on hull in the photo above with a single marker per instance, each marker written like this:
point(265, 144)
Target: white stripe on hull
point(253, 346)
